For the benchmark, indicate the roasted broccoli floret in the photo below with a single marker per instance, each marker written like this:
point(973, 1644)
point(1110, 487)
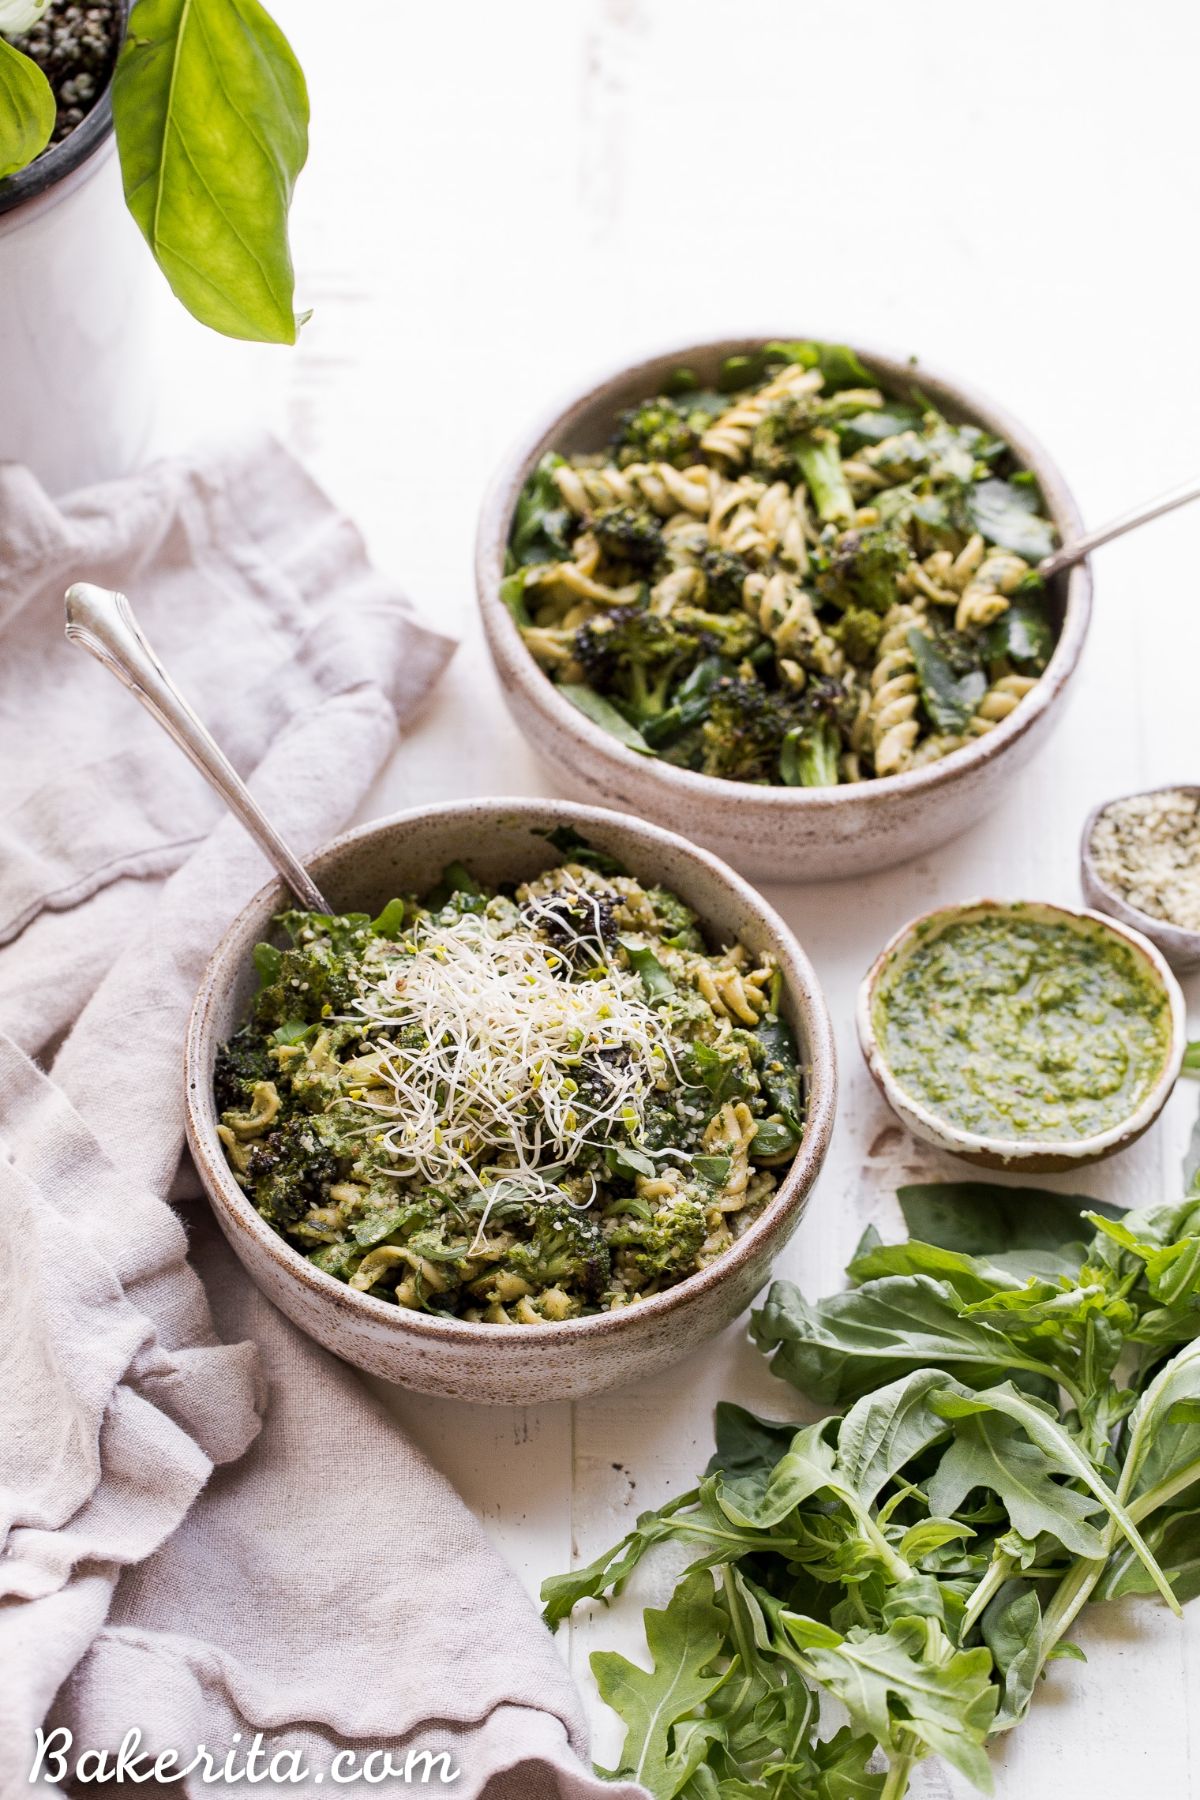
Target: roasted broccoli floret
point(773, 446)
point(731, 635)
point(635, 655)
point(744, 732)
point(564, 1248)
point(311, 979)
point(725, 575)
point(663, 1247)
point(290, 1170)
point(862, 569)
point(241, 1063)
point(858, 631)
point(627, 534)
point(659, 430)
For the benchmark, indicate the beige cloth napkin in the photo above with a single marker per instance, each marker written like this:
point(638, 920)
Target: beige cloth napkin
point(208, 1525)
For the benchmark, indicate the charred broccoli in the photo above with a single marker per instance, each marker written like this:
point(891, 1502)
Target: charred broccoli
point(664, 1246)
point(627, 534)
point(858, 631)
point(241, 1064)
point(863, 568)
point(725, 575)
point(564, 1246)
point(291, 1169)
point(744, 732)
point(635, 654)
point(659, 430)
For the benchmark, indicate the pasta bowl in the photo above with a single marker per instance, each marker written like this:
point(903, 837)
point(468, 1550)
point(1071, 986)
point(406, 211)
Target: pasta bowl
point(504, 840)
point(1027, 1154)
point(786, 833)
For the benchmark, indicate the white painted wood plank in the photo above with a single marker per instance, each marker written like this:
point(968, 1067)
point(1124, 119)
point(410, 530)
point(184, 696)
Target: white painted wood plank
point(501, 200)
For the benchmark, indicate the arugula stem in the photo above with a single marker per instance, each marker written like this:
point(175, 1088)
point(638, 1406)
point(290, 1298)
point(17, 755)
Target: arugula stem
point(999, 1572)
point(899, 1770)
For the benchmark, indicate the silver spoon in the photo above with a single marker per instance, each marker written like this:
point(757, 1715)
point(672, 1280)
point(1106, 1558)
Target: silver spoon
point(103, 622)
point(1069, 554)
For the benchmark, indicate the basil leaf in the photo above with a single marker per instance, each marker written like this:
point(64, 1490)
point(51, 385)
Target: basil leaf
point(595, 707)
point(211, 114)
point(266, 959)
point(390, 922)
point(1008, 515)
point(623, 1159)
point(981, 1218)
point(27, 110)
point(713, 1168)
point(655, 980)
point(542, 523)
point(1023, 635)
point(772, 1139)
point(949, 695)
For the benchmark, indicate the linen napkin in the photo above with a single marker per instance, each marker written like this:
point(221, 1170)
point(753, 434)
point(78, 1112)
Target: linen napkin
point(208, 1526)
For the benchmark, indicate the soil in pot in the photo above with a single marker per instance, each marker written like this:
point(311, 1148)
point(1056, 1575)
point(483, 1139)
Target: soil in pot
point(75, 47)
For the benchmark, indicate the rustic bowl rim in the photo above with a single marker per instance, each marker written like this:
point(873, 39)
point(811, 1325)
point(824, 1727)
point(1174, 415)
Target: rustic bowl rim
point(1076, 1151)
point(811, 1011)
point(501, 630)
point(1176, 942)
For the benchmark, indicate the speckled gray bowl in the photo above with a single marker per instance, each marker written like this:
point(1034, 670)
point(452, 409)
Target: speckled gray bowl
point(1028, 1156)
point(1180, 947)
point(787, 834)
point(504, 840)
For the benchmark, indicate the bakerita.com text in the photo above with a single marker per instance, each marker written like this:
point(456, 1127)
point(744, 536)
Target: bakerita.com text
point(57, 1759)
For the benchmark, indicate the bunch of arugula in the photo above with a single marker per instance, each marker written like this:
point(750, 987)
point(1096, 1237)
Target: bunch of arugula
point(1021, 1435)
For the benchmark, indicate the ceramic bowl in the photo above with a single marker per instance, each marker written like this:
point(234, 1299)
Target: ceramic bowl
point(1181, 948)
point(507, 1364)
point(1027, 1156)
point(787, 834)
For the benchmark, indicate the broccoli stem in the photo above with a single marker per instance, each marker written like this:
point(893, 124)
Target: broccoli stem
point(821, 466)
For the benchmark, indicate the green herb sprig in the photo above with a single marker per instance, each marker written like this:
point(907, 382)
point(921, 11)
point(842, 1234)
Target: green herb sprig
point(1020, 1436)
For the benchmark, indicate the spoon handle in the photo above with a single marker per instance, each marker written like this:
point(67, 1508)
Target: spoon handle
point(1078, 548)
point(103, 622)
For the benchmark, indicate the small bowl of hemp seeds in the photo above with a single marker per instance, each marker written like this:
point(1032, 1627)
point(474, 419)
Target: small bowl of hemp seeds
point(1140, 863)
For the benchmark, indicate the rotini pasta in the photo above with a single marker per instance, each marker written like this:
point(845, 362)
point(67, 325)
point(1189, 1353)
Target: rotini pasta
point(788, 579)
point(515, 1106)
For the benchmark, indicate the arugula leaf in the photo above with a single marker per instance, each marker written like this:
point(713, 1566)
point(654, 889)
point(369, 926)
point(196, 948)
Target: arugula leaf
point(779, 1073)
point(713, 1168)
point(1044, 1430)
point(27, 110)
point(1007, 514)
point(874, 426)
point(886, 1429)
point(948, 694)
point(684, 1639)
point(1175, 1540)
point(993, 1451)
point(907, 1682)
point(601, 712)
point(211, 115)
point(512, 593)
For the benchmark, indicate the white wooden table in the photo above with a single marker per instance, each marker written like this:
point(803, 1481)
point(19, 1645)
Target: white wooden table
point(501, 199)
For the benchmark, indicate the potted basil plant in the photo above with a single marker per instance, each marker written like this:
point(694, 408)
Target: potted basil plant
point(189, 115)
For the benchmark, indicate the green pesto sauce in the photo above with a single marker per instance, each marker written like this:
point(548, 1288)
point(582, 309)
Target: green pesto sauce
point(1011, 1027)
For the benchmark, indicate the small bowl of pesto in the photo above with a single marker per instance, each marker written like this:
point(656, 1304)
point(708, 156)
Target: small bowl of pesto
point(528, 1115)
point(1139, 860)
point(1021, 1035)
